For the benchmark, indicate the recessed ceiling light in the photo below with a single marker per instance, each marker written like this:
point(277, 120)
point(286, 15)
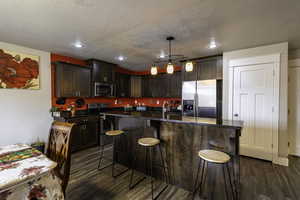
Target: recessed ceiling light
point(121, 58)
point(212, 44)
point(162, 55)
point(78, 45)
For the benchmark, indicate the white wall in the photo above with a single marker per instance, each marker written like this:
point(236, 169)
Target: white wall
point(24, 114)
point(281, 48)
point(294, 106)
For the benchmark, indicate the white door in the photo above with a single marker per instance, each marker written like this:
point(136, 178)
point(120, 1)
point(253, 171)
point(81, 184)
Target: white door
point(252, 103)
point(294, 108)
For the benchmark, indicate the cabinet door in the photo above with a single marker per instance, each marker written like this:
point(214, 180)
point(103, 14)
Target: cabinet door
point(83, 82)
point(165, 85)
point(65, 80)
point(175, 85)
point(207, 69)
point(146, 87)
point(190, 76)
point(106, 75)
point(155, 86)
point(107, 71)
point(76, 141)
point(122, 85)
point(91, 133)
point(102, 71)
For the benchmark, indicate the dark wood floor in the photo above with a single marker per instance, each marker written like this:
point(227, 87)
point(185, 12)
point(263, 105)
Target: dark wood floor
point(259, 180)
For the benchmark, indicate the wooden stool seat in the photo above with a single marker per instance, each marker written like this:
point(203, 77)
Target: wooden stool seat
point(214, 156)
point(148, 141)
point(114, 132)
point(217, 157)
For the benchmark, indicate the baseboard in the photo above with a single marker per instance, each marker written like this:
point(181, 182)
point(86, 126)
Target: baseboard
point(281, 161)
point(295, 151)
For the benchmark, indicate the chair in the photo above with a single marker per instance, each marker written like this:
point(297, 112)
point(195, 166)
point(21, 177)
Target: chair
point(59, 150)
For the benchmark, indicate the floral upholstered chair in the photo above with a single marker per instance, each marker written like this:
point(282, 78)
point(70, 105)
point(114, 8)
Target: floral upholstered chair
point(59, 150)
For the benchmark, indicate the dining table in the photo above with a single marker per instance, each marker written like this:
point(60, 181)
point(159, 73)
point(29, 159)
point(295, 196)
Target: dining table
point(27, 174)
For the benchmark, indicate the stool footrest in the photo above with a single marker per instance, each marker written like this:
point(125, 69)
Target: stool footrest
point(122, 172)
point(99, 169)
point(161, 192)
point(140, 180)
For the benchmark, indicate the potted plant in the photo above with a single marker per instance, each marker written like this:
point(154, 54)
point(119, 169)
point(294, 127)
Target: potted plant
point(39, 145)
point(55, 111)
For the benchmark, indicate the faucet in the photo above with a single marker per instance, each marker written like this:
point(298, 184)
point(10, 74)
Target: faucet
point(164, 109)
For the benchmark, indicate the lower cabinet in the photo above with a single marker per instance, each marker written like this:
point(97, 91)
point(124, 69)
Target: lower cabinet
point(85, 133)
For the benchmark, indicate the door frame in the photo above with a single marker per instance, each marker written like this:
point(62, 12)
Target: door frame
point(255, 60)
point(295, 63)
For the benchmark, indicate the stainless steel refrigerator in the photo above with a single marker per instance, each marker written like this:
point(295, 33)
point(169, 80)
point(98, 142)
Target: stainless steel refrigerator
point(199, 98)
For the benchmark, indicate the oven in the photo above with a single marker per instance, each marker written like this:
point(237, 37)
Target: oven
point(103, 89)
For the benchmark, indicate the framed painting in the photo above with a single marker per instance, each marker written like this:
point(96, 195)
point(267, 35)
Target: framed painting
point(19, 70)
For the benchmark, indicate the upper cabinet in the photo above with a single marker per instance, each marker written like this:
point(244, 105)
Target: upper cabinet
point(205, 69)
point(162, 85)
point(72, 80)
point(102, 71)
point(123, 83)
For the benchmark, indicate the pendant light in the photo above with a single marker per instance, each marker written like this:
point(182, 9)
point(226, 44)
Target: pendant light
point(170, 66)
point(189, 66)
point(154, 70)
point(170, 60)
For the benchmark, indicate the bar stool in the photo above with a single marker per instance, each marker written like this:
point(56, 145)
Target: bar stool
point(148, 144)
point(216, 157)
point(116, 134)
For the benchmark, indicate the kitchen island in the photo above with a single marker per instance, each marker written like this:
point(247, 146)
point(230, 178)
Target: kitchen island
point(181, 138)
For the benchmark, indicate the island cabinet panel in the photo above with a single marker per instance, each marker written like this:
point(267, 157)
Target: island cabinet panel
point(72, 80)
point(180, 143)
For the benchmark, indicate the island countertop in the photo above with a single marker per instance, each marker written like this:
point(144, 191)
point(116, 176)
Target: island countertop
point(175, 118)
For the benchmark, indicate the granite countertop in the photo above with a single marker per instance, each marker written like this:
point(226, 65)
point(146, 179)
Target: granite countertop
point(175, 118)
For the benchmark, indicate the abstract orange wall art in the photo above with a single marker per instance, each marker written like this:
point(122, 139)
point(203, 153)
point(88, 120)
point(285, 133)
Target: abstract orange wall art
point(19, 70)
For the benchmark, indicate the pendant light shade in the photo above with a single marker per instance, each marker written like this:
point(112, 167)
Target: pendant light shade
point(189, 66)
point(153, 70)
point(170, 68)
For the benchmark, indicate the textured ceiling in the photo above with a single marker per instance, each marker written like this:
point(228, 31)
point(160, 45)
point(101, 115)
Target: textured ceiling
point(137, 29)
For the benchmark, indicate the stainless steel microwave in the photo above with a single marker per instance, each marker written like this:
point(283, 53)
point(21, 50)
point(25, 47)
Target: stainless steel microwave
point(103, 89)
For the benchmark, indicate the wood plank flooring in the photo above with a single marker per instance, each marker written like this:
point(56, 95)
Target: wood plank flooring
point(259, 180)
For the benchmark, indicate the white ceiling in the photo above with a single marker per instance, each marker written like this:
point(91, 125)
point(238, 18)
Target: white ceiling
point(137, 29)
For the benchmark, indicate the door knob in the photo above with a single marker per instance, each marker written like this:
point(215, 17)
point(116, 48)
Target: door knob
point(236, 115)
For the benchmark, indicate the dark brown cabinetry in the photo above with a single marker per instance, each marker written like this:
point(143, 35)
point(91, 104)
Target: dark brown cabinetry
point(162, 85)
point(123, 83)
point(102, 71)
point(205, 69)
point(85, 132)
point(72, 80)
